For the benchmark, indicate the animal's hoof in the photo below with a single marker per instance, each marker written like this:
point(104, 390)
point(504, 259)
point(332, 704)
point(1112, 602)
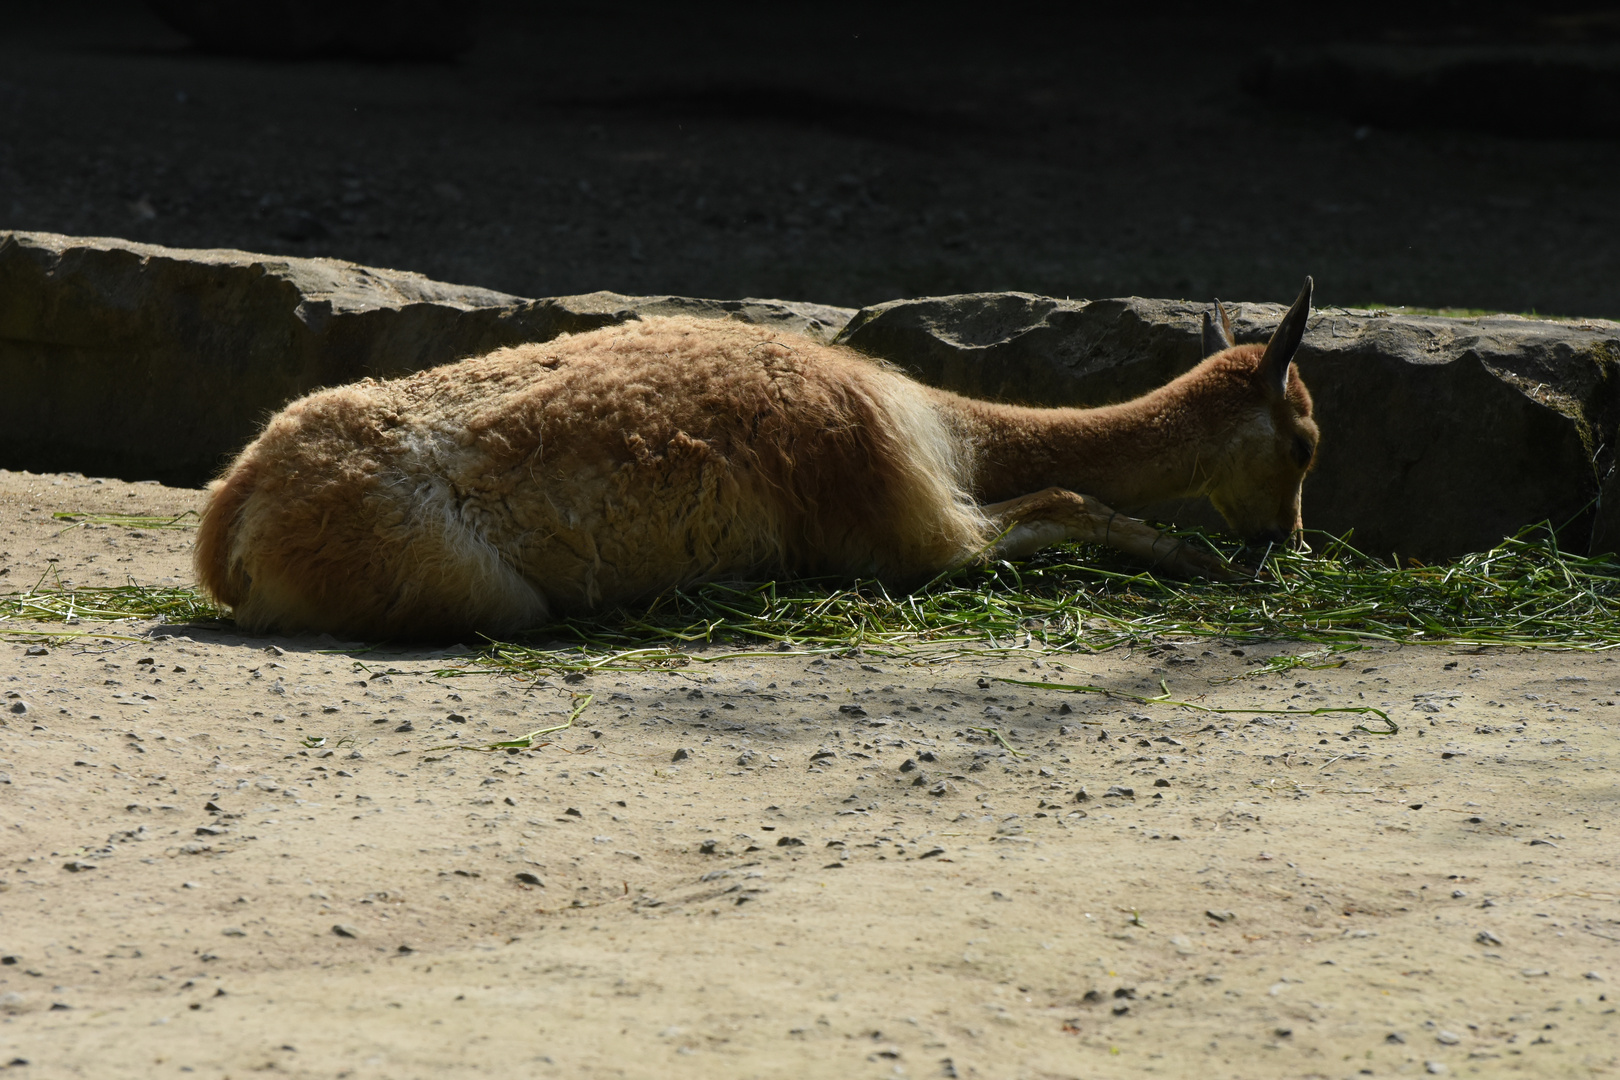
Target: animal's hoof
point(1189, 562)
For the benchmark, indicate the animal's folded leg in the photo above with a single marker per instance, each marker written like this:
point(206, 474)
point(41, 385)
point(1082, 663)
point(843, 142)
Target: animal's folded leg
point(1031, 522)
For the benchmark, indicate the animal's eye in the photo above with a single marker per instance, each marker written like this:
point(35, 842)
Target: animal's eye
point(1303, 451)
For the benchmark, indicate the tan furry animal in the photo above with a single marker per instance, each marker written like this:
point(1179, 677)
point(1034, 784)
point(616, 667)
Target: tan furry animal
point(602, 468)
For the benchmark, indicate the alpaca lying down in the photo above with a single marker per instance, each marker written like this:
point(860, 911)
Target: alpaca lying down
point(601, 468)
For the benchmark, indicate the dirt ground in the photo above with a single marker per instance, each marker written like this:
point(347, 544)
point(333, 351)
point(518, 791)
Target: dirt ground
point(223, 855)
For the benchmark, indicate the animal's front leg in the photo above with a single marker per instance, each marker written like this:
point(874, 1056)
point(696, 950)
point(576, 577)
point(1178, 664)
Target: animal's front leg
point(1031, 522)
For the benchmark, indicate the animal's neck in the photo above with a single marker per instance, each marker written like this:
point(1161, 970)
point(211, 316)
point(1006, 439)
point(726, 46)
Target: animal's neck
point(1127, 455)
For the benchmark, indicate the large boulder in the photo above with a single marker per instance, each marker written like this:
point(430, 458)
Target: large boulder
point(149, 362)
point(1440, 435)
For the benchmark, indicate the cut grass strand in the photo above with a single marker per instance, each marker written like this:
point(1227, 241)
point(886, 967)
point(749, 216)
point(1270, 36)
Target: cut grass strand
point(1390, 727)
point(996, 734)
point(526, 742)
point(186, 519)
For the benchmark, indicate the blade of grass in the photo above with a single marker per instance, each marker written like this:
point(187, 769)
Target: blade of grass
point(131, 521)
point(995, 734)
point(1165, 699)
point(526, 742)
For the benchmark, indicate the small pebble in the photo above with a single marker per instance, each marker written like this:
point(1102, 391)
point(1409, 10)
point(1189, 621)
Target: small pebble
point(1485, 937)
point(345, 930)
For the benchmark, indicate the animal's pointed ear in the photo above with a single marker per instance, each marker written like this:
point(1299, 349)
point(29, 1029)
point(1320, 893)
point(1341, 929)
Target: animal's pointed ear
point(1273, 368)
point(1217, 335)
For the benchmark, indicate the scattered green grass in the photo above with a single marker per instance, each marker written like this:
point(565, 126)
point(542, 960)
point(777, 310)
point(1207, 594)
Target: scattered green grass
point(71, 604)
point(1525, 592)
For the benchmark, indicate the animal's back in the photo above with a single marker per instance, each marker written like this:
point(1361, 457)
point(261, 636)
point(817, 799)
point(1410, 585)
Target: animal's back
point(590, 470)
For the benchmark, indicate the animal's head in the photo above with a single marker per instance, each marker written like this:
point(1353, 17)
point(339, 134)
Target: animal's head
point(1270, 440)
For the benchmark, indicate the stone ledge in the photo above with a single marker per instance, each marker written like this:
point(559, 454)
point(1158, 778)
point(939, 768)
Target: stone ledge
point(1441, 435)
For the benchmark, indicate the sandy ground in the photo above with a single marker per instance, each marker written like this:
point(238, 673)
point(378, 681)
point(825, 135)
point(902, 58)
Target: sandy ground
point(784, 866)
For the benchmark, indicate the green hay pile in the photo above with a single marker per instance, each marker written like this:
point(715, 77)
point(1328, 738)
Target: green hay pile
point(1524, 592)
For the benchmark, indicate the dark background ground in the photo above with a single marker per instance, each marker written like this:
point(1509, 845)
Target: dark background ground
point(833, 153)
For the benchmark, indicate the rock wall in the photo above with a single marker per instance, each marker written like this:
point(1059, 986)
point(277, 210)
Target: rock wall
point(1440, 435)
point(147, 362)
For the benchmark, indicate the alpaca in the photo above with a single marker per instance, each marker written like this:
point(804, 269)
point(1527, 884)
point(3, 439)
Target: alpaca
point(602, 468)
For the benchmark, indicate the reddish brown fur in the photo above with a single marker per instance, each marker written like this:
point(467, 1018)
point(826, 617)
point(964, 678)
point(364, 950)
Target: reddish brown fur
point(604, 467)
